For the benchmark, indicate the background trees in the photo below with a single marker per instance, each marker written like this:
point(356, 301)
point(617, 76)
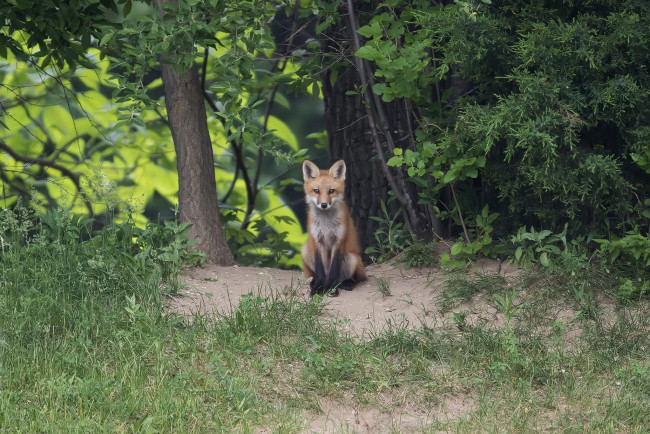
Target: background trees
point(535, 111)
point(477, 119)
point(197, 193)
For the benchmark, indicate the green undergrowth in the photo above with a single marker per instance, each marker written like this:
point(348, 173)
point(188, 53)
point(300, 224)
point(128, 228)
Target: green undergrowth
point(89, 344)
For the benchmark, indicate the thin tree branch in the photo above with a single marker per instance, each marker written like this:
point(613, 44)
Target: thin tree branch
point(54, 165)
point(397, 186)
point(13, 185)
point(239, 156)
point(460, 214)
point(407, 119)
point(352, 123)
point(161, 116)
point(267, 114)
point(232, 185)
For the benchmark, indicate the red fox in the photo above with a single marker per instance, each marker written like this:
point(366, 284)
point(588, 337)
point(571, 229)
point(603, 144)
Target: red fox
point(331, 254)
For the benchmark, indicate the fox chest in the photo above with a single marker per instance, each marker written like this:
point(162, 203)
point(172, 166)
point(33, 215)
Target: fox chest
point(327, 229)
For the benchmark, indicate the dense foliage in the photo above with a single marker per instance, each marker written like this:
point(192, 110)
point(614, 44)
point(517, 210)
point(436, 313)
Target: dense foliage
point(538, 112)
point(523, 118)
point(552, 120)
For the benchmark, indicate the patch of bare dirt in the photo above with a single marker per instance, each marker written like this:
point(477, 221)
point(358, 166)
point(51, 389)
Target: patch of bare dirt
point(413, 300)
point(362, 310)
point(397, 414)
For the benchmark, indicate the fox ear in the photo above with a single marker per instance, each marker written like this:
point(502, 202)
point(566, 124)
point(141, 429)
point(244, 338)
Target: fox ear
point(338, 170)
point(309, 170)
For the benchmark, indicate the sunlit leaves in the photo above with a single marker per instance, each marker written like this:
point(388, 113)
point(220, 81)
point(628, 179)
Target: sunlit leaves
point(392, 57)
point(69, 120)
point(282, 131)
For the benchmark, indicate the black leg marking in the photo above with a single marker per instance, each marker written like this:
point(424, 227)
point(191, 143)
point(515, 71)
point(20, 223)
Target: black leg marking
point(334, 276)
point(319, 280)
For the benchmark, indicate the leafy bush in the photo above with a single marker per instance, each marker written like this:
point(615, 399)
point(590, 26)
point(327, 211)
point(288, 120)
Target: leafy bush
point(392, 236)
point(537, 111)
point(634, 251)
point(259, 244)
point(167, 246)
point(541, 247)
point(101, 258)
point(419, 255)
point(478, 241)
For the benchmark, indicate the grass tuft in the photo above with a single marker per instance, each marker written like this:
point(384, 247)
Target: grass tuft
point(462, 287)
point(383, 286)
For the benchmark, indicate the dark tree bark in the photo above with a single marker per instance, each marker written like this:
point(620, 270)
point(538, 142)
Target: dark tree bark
point(197, 192)
point(366, 186)
point(354, 127)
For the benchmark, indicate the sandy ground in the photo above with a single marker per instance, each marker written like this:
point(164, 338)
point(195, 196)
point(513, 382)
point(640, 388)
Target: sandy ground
point(363, 309)
point(413, 300)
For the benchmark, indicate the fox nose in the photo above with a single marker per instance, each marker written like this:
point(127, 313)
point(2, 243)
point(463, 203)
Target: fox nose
point(323, 205)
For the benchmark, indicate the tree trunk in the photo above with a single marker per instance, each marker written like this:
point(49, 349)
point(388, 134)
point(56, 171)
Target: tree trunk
point(197, 192)
point(348, 127)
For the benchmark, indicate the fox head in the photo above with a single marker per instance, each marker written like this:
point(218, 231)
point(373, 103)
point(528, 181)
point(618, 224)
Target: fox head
point(324, 188)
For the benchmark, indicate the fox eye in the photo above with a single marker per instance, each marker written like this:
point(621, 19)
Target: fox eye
point(317, 191)
point(331, 191)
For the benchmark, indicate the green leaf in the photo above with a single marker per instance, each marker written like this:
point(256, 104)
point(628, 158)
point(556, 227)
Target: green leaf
point(371, 31)
point(543, 259)
point(334, 74)
point(518, 253)
point(379, 88)
point(282, 131)
point(450, 176)
point(107, 37)
point(368, 52)
point(127, 7)
point(46, 61)
point(234, 136)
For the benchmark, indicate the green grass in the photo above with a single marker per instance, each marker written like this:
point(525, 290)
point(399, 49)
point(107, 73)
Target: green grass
point(383, 286)
point(460, 288)
point(87, 345)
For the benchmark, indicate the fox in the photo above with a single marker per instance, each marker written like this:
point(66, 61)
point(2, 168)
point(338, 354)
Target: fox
point(331, 256)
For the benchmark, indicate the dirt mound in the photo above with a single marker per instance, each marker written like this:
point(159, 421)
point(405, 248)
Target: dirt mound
point(392, 296)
